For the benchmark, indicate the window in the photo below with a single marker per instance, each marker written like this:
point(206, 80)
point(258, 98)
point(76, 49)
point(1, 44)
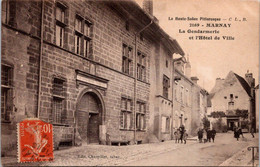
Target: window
point(236, 97)
point(6, 92)
point(126, 115)
point(231, 96)
point(5, 9)
point(87, 38)
point(225, 97)
point(8, 12)
point(231, 105)
point(175, 90)
point(187, 97)
point(141, 66)
point(82, 36)
point(166, 86)
point(127, 60)
point(166, 64)
point(140, 116)
point(165, 124)
point(58, 109)
point(182, 94)
point(78, 34)
point(60, 24)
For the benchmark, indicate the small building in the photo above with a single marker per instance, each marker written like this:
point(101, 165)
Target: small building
point(232, 102)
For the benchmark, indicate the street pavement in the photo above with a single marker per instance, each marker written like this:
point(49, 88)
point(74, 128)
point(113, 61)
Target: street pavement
point(154, 154)
point(205, 154)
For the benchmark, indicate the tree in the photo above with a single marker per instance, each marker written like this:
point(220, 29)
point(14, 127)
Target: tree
point(242, 113)
point(217, 114)
point(206, 122)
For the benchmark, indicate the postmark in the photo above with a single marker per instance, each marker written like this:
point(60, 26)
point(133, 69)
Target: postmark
point(35, 141)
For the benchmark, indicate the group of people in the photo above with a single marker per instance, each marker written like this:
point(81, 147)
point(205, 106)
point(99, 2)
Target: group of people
point(238, 132)
point(205, 135)
point(181, 135)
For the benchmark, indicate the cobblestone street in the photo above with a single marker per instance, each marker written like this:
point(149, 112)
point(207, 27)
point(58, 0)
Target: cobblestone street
point(165, 153)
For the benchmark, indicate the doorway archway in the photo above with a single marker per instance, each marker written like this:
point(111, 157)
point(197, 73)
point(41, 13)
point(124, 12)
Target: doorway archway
point(89, 115)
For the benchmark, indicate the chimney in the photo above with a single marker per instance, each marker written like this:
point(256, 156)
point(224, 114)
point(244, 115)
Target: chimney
point(179, 65)
point(148, 6)
point(218, 85)
point(188, 68)
point(219, 82)
point(194, 79)
point(249, 79)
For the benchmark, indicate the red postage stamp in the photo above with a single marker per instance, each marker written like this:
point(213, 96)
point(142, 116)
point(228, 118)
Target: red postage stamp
point(35, 141)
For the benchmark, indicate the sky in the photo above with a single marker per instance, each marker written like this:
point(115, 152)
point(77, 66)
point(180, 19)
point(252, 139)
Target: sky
point(211, 59)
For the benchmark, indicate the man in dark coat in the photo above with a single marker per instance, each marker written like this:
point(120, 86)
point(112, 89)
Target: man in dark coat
point(200, 135)
point(209, 135)
point(252, 132)
point(236, 133)
point(182, 128)
point(213, 134)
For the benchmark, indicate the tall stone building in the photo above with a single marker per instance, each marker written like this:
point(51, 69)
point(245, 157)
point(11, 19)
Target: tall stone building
point(99, 71)
point(190, 100)
point(233, 101)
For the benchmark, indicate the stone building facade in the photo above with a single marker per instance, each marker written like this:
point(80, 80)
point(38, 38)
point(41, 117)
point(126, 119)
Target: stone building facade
point(232, 101)
point(190, 100)
point(98, 71)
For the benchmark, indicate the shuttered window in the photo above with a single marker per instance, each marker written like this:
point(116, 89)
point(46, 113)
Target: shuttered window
point(140, 116)
point(126, 114)
point(58, 106)
point(6, 92)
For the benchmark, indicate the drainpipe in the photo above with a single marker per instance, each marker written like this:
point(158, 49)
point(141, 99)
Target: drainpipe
point(173, 85)
point(40, 63)
point(135, 77)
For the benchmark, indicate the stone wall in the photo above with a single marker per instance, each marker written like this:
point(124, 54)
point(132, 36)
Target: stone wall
point(21, 48)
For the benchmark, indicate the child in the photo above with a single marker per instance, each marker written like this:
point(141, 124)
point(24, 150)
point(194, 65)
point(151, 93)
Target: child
point(185, 136)
point(177, 135)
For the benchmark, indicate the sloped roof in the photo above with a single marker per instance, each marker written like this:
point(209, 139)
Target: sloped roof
point(240, 79)
point(210, 96)
point(130, 9)
point(244, 84)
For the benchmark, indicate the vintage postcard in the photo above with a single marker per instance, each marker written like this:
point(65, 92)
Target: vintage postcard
point(129, 83)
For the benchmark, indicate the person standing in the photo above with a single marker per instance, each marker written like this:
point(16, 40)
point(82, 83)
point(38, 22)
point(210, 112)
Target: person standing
point(252, 132)
point(204, 136)
point(213, 134)
point(185, 136)
point(182, 128)
point(208, 135)
point(240, 132)
point(236, 133)
point(177, 135)
point(200, 135)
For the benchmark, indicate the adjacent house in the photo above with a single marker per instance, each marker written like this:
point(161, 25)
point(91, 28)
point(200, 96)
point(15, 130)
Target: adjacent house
point(190, 100)
point(232, 102)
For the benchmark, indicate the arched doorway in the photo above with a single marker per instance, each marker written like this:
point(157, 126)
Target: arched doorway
point(89, 115)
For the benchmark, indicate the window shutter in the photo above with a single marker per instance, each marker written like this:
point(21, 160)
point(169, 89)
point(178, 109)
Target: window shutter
point(128, 120)
point(121, 119)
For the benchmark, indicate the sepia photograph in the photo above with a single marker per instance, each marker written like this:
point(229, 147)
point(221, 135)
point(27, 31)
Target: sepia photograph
point(130, 82)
